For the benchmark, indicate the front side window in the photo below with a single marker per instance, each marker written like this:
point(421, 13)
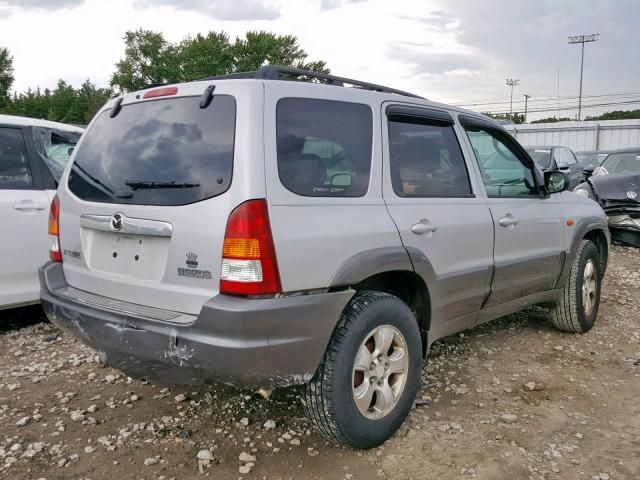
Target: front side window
point(426, 160)
point(571, 158)
point(504, 174)
point(15, 172)
point(158, 152)
point(324, 147)
point(541, 156)
point(55, 147)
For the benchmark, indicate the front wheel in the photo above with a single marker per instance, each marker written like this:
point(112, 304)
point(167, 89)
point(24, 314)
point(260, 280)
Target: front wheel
point(577, 309)
point(366, 383)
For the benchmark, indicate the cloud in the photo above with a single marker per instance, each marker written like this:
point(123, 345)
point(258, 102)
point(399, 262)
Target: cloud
point(438, 20)
point(4, 13)
point(41, 4)
point(422, 59)
point(232, 10)
point(331, 4)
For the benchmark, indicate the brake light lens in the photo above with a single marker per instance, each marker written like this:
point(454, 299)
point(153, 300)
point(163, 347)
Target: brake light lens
point(249, 264)
point(161, 92)
point(54, 230)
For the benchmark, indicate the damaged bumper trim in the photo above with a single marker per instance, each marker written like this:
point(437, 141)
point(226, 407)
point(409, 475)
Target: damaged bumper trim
point(626, 222)
point(248, 343)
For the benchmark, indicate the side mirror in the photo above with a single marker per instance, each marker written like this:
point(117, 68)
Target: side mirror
point(341, 180)
point(587, 170)
point(562, 165)
point(556, 181)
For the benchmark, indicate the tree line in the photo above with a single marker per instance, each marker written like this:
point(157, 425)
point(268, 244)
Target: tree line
point(148, 59)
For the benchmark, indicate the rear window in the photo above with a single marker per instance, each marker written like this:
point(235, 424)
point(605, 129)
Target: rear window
point(324, 147)
point(159, 152)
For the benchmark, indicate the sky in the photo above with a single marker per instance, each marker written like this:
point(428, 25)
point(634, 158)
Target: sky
point(456, 51)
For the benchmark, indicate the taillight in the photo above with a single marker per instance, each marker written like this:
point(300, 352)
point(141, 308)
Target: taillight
point(161, 92)
point(249, 265)
point(54, 230)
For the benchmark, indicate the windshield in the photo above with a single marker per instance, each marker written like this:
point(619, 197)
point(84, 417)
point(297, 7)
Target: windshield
point(159, 152)
point(621, 163)
point(590, 159)
point(541, 156)
point(55, 147)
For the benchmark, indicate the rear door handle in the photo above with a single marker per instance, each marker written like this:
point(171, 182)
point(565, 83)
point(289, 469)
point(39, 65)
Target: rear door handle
point(423, 227)
point(508, 220)
point(28, 205)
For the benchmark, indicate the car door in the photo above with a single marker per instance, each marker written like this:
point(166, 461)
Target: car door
point(443, 223)
point(574, 172)
point(24, 214)
point(529, 236)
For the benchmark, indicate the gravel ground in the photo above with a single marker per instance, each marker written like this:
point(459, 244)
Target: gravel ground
point(512, 399)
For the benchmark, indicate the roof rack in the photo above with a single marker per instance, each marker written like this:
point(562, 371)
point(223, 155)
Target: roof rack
point(278, 72)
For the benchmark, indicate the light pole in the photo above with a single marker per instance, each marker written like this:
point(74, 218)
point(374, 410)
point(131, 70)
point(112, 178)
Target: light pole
point(512, 82)
point(526, 101)
point(582, 39)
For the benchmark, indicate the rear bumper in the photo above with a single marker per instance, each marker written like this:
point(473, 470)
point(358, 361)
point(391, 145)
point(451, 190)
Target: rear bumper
point(248, 343)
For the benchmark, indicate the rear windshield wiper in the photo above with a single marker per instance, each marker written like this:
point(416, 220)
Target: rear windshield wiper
point(151, 184)
point(95, 180)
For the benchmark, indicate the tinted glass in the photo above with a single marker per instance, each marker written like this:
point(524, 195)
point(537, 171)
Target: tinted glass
point(324, 147)
point(160, 152)
point(15, 172)
point(571, 158)
point(426, 161)
point(622, 163)
point(541, 156)
point(504, 174)
point(55, 147)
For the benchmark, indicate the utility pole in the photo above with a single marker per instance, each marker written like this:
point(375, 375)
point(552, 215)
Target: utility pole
point(582, 39)
point(558, 93)
point(512, 82)
point(526, 102)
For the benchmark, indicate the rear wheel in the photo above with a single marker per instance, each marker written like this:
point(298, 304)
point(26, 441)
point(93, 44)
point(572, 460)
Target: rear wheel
point(370, 374)
point(577, 309)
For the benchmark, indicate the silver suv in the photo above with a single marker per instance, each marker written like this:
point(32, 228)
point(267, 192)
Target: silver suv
point(266, 232)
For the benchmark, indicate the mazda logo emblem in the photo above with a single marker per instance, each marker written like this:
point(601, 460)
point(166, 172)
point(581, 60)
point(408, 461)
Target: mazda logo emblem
point(117, 221)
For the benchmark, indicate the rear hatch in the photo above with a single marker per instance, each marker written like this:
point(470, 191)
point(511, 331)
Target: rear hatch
point(146, 200)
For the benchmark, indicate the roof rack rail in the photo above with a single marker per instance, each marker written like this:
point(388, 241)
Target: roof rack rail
point(278, 72)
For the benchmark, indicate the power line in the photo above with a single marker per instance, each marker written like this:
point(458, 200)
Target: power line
point(568, 107)
point(548, 98)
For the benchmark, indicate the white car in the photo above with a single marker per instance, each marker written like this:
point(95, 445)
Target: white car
point(33, 154)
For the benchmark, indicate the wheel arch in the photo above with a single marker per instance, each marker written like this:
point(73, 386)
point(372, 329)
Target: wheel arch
point(594, 229)
point(389, 270)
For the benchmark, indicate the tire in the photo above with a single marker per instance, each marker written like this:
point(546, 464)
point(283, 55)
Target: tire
point(572, 313)
point(329, 398)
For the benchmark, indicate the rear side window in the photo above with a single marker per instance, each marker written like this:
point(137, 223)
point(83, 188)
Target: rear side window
point(55, 147)
point(15, 172)
point(324, 147)
point(159, 152)
point(426, 160)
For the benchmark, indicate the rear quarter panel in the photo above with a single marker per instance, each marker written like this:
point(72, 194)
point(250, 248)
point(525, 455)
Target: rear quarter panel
point(314, 236)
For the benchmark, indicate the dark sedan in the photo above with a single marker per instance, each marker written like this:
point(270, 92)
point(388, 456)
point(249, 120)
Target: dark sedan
point(552, 158)
point(615, 185)
point(589, 160)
